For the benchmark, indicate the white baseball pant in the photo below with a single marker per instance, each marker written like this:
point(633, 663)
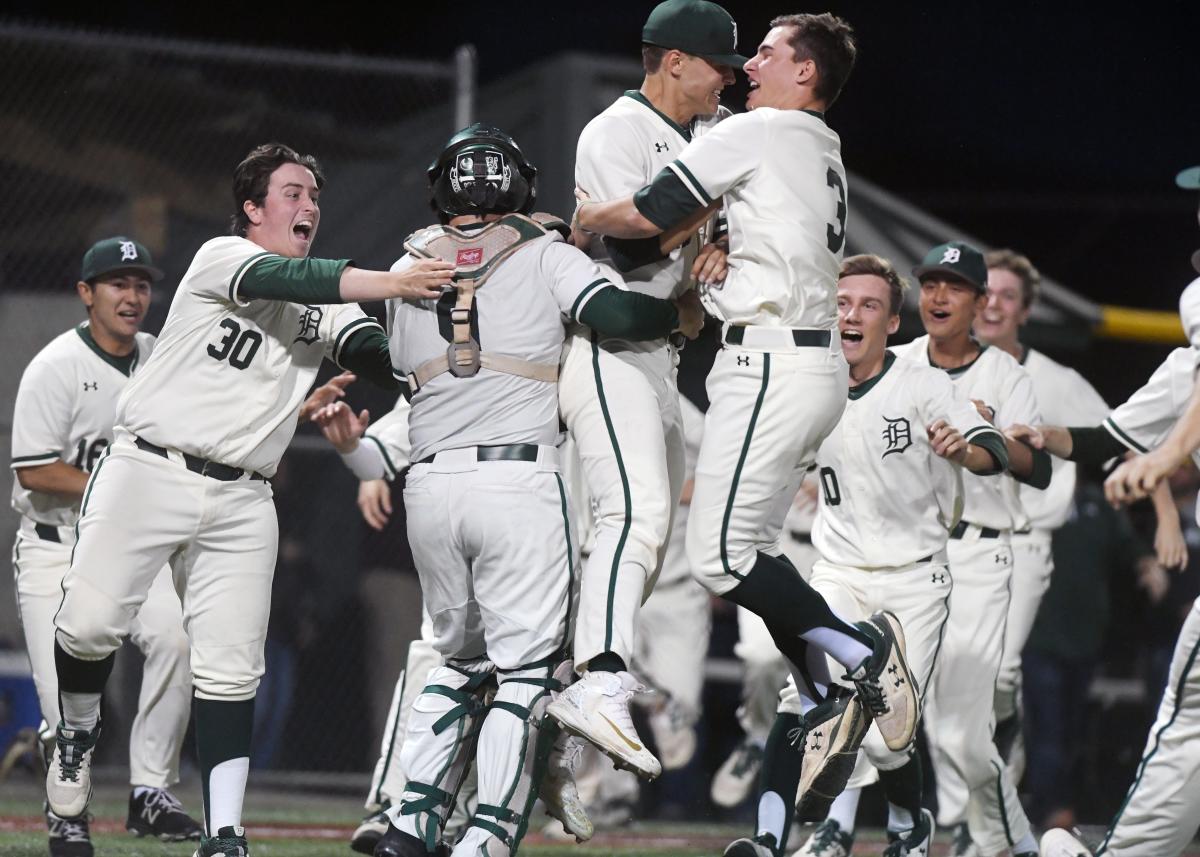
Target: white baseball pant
point(1033, 563)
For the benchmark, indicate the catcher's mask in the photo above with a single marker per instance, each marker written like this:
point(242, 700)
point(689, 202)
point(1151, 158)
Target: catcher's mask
point(481, 171)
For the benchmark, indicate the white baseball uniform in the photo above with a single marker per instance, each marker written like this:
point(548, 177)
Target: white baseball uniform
point(973, 783)
point(1159, 815)
point(619, 399)
point(64, 412)
point(490, 532)
point(1064, 397)
point(878, 465)
point(219, 396)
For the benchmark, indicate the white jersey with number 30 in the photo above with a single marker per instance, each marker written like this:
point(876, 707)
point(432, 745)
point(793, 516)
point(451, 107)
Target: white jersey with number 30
point(781, 175)
point(887, 499)
point(228, 375)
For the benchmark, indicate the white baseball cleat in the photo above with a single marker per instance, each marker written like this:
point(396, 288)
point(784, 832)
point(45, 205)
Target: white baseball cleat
point(69, 778)
point(597, 708)
point(674, 735)
point(829, 737)
point(885, 684)
point(738, 775)
point(1060, 843)
point(828, 840)
point(559, 793)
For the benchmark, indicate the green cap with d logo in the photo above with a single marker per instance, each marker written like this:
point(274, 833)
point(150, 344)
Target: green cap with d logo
point(958, 259)
point(695, 27)
point(118, 254)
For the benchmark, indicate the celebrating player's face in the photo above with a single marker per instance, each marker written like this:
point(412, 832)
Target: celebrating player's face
point(117, 303)
point(287, 221)
point(702, 82)
point(949, 306)
point(1004, 312)
point(773, 72)
point(864, 318)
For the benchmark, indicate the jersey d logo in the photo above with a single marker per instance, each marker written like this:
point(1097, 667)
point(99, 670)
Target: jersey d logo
point(898, 434)
point(310, 321)
point(469, 257)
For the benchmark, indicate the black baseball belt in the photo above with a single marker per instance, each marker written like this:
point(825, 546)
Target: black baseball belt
point(508, 452)
point(960, 530)
point(47, 533)
point(196, 464)
point(735, 333)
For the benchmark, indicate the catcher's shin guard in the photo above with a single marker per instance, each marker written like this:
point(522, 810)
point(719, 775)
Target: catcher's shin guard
point(438, 744)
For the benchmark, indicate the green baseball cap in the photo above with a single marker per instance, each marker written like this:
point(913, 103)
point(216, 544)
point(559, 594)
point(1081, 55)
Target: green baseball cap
point(695, 27)
point(1189, 179)
point(118, 254)
point(957, 258)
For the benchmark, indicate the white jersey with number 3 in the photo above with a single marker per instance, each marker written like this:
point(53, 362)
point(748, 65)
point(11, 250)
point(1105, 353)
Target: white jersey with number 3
point(887, 500)
point(996, 379)
point(228, 375)
point(64, 412)
point(784, 187)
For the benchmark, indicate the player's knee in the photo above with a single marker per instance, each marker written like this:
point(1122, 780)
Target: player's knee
point(171, 648)
point(90, 634)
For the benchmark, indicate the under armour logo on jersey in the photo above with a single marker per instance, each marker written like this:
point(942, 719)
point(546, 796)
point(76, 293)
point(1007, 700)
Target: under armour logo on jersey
point(898, 434)
point(310, 321)
point(91, 385)
point(743, 359)
point(128, 251)
point(952, 255)
point(939, 577)
point(662, 147)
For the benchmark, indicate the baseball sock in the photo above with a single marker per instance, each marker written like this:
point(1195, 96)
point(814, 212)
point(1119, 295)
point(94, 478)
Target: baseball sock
point(775, 591)
point(80, 684)
point(223, 731)
point(607, 662)
point(903, 787)
point(779, 780)
point(844, 809)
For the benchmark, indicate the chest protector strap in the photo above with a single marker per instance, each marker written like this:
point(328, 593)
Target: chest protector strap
point(477, 255)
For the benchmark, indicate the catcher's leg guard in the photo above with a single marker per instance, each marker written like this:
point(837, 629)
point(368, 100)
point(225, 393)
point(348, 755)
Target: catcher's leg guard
point(442, 729)
point(510, 759)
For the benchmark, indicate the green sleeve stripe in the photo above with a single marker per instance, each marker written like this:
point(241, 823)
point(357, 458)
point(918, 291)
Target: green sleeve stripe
point(29, 459)
point(391, 468)
point(667, 200)
point(345, 332)
point(970, 434)
point(241, 272)
point(1116, 432)
point(693, 184)
point(588, 291)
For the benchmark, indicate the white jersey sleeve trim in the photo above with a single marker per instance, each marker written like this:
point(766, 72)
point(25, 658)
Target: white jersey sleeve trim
point(690, 182)
point(34, 460)
point(1124, 439)
point(239, 275)
point(587, 294)
point(345, 332)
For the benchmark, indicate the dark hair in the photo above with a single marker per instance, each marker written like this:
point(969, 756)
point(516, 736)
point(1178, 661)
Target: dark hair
point(253, 176)
point(829, 42)
point(652, 57)
point(877, 266)
point(1022, 268)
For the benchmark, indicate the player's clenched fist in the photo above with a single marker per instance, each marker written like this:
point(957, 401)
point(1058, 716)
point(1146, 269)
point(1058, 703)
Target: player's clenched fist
point(947, 441)
point(691, 314)
point(341, 427)
point(1137, 477)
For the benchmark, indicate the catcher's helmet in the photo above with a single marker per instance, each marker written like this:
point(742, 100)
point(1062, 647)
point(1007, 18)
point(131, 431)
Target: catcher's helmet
point(481, 171)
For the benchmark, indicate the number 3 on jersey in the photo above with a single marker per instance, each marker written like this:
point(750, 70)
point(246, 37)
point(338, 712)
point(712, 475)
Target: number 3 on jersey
point(239, 345)
point(836, 238)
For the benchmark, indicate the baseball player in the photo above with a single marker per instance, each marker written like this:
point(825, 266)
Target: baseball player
point(777, 387)
point(619, 399)
point(895, 457)
point(973, 785)
point(1063, 396)
point(62, 422)
point(487, 509)
point(199, 432)
point(1159, 815)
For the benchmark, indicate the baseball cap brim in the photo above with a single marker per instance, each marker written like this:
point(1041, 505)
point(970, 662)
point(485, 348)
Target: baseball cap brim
point(922, 270)
point(1189, 179)
point(726, 59)
point(152, 273)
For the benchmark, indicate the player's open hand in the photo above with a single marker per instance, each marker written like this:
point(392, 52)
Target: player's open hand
point(691, 314)
point(326, 394)
point(375, 502)
point(1136, 478)
point(341, 427)
point(710, 266)
point(947, 441)
point(424, 279)
point(1027, 435)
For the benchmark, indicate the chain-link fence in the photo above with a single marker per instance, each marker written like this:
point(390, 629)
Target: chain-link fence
point(104, 134)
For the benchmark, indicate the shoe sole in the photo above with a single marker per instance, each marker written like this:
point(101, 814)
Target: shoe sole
point(889, 624)
point(743, 848)
point(833, 772)
point(365, 844)
point(147, 833)
point(564, 718)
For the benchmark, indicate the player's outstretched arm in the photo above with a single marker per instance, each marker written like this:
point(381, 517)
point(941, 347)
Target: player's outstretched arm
point(618, 218)
point(631, 315)
point(57, 477)
point(421, 280)
point(328, 281)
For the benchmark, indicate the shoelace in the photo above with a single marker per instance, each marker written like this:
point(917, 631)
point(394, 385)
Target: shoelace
point(69, 829)
point(825, 837)
point(749, 756)
point(870, 692)
point(71, 753)
point(164, 799)
point(796, 736)
point(572, 755)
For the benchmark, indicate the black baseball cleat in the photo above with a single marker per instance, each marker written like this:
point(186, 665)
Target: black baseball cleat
point(369, 831)
point(763, 845)
point(69, 837)
point(829, 737)
point(917, 842)
point(158, 813)
point(397, 843)
point(885, 684)
point(229, 842)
